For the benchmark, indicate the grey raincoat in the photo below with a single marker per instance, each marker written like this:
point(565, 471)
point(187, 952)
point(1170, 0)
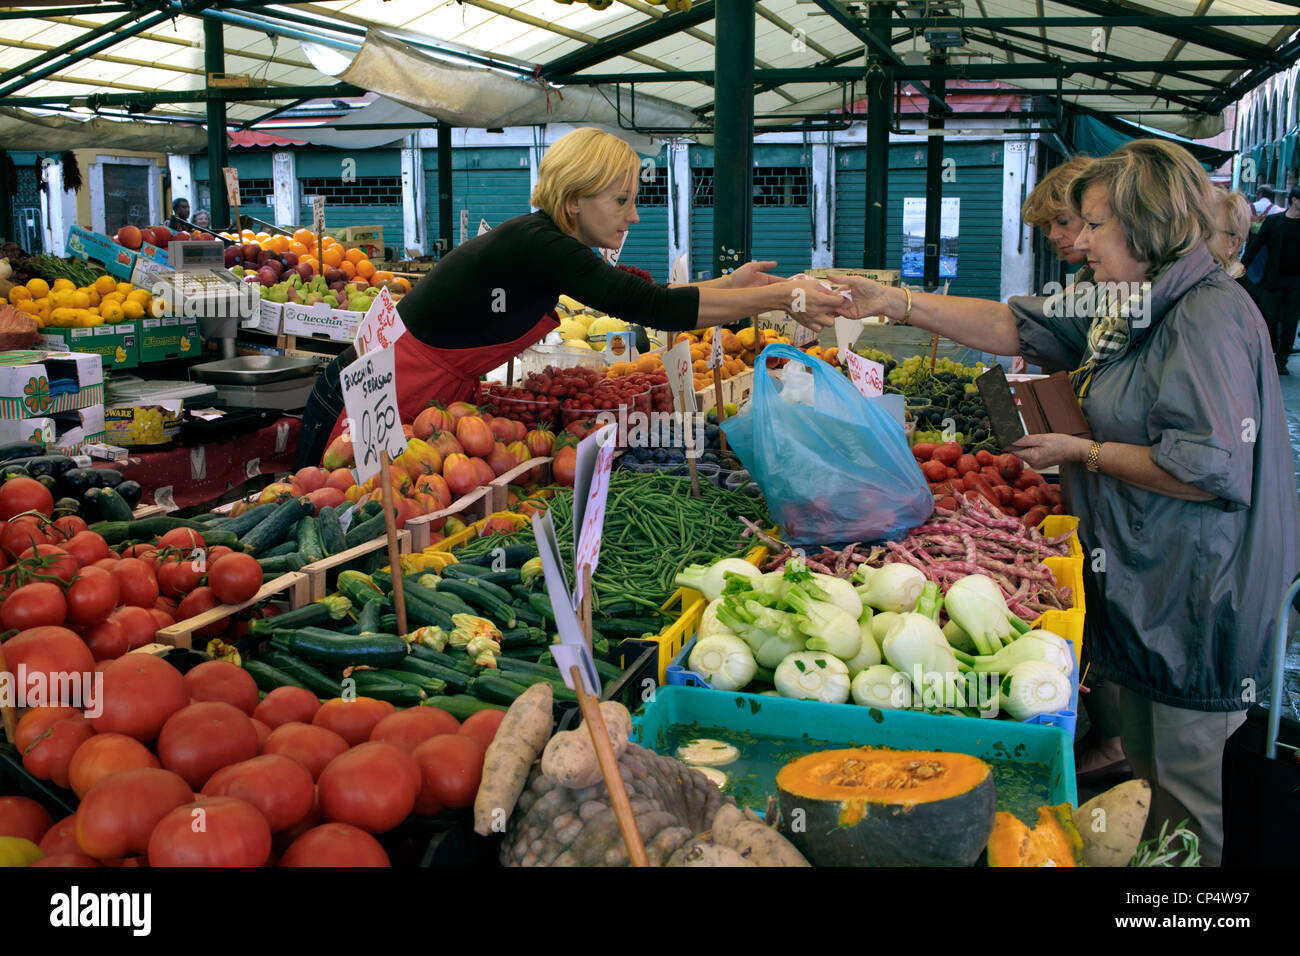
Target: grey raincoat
point(1184, 611)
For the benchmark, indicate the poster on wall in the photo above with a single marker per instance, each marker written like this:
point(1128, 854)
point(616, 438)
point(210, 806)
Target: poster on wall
point(914, 237)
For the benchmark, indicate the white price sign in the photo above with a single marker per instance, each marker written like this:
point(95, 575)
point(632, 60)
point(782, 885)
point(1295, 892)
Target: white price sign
point(483, 227)
point(715, 353)
point(370, 395)
point(464, 225)
point(612, 255)
point(679, 273)
point(318, 214)
point(677, 363)
point(572, 649)
point(868, 376)
point(847, 332)
point(590, 489)
point(381, 327)
point(232, 184)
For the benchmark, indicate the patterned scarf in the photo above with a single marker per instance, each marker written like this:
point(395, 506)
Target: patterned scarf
point(1108, 335)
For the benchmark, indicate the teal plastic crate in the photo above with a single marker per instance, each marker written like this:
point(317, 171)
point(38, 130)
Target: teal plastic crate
point(836, 726)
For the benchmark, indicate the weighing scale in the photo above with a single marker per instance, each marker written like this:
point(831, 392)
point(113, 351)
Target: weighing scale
point(260, 381)
point(198, 285)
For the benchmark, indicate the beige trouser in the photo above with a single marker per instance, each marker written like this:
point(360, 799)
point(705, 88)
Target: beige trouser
point(1180, 752)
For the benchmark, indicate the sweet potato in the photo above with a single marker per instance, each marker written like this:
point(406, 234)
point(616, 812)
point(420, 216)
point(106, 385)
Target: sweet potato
point(754, 840)
point(519, 741)
point(698, 853)
point(1111, 823)
point(570, 760)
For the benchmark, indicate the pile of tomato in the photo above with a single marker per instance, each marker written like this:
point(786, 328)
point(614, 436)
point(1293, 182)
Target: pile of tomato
point(287, 780)
point(1002, 480)
point(59, 574)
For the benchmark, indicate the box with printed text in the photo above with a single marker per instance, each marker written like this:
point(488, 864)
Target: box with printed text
point(118, 345)
point(321, 321)
point(169, 337)
point(43, 383)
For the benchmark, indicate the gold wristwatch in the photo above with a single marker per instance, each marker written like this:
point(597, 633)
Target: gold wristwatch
point(1093, 461)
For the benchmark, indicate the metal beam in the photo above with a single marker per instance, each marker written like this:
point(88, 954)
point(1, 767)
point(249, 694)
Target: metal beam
point(444, 188)
point(120, 60)
point(781, 24)
point(877, 40)
point(1254, 78)
point(1209, 38)
point(214, 61)
point(53, 53)
point(275, 112)
point(226, 94)
point(48, 12)
point(933, 184)
point(1088, 23)
point(629, 40)
point(733, 144)
point(880, 86)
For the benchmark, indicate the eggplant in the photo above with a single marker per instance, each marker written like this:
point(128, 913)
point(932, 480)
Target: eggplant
point(131, 492)
point(90, 509)
point(50, 482)
point(66, 506)
point(56, 465)
point(108, 477)
point(14, 470)
point(14, 450)
point(77, 481)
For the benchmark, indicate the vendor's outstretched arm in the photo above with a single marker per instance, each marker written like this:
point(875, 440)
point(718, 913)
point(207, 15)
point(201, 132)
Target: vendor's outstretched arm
point(977, 323)
point(807, 300)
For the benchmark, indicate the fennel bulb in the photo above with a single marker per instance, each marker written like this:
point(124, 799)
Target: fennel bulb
point(916, 646)
point(1034, 687)
point(869, 653)
point(813, 675)
point(895, 587)
point(1026, 648)
point(881, 686)
point(827, 625)
point(958, 639)
point(710, 579)
point(771, 634)
point(709, 623)
point(836, 591)
point(725, 662)
point(979, 609)
point(881, 623)
point(1052, 638)
point(767, 589)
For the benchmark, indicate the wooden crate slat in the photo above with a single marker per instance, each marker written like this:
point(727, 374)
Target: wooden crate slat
point(294, 586)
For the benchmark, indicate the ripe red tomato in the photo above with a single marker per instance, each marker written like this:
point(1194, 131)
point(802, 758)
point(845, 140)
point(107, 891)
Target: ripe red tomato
point(21, 817)
point(34, 605)
point(409, 728)
point(69, 526)
point(107, 639)
point(218, 552)
point(222, 680)
point(335, 844)
point(211, 831)
point(87, 547)
point(451, 767)
point(56, 653)
point(197, 602)
point(61, 838)
point(179, 574)
point(140, 693)
point(57, 562)
point(22, 534)
point(235, 578)
point(200, 739)
point(105, 754)
point(352, 719)
point(136, 582)
point(372, 786)
point(66, 860)
point(119, 813)
point(263, 732)
point(185, 538)
point(37, 721)
point(285, 705)
point(483, 726)
point(139, 625)
point(24, 494)
point(281, 789)
point(51, 755)
point(313, 747)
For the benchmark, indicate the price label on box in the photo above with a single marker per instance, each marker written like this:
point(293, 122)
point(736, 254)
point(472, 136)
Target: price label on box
point(381, 327)
point(370, 396)
point(590, 489)
point(868, 376)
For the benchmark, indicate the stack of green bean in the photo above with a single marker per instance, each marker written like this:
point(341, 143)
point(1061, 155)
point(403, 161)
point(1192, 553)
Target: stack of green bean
point(653, 529)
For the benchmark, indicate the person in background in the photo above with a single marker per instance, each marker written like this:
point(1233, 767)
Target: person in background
point(1232, 229)
point(202, 219)
point(1262, 207)
point(1187, 487)
point(1279, 237)
point(180, 210)
point(1048, 208)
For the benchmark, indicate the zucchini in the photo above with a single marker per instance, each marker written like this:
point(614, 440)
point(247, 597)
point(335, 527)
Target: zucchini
point(447, 603)
point(494, 590)
point(605, 669)
point(318, 612)
point(115, 532)
point(246, 522)
point(478, 595)
point(464, 572)
point(630, 626)
point(215, 537)
point(388, 624)
point(457, 662)
point(526, 616)
point(510, 665)
point(503, 579)
point(331, 532)
point(316, 682)
point(15, 450)
point(560, 690)
point(287, 547)
point(383, 580)
point(524, 637)
point(283, 563)
point(496, 690)
point(541, 605)
point(278, 525)
point(366, 531)
point(309, 539)
point(374, 508)
point(358, 588)
point(462, 706)
point(514, 556)
point(209, 518)
point(456, 681)
point(341, 650)
point(269, 678)
point(430, 685)
point(368, 617)
point(376, 685)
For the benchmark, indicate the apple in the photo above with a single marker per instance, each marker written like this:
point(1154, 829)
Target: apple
point(183, 236)
point(266, 255)
point(338, 286)
point(305, 270)
point(333, 275)
point(290, 260)
point(232, 256)
point(147, 235)
point(274, 266)
point(251, 249)
point(267, 277)
point(202, 237)
point(162, 236)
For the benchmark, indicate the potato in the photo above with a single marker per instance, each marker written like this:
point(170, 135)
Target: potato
point(754, 841)
point(1111, 823)
point(519, 741)
point(699, 853)
point(570, 760)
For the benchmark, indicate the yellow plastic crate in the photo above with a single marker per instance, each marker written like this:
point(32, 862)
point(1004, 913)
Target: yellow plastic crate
point(471, 532)
point(1054, 525)
point(1068, 624)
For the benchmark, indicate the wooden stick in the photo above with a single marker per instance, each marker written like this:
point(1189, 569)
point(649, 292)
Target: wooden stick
point(394, 555)
point(717, 399)
point(934, 351)
point(10, 714)
point(609, 770)
point(584, 613)
point(688, 436)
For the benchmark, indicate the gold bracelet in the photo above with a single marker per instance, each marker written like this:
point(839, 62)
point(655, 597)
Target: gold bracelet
point(1093, 462)
point(907, 314)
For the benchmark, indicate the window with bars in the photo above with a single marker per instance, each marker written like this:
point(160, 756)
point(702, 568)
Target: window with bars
point(364, 191)
point(256, 192)
point(701, 187)
point(654, 186)
point(773, 186)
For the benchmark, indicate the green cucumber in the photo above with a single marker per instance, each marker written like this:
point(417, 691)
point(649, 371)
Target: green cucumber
point(113, 506)
point(456, 681)
point(341, 650)
point(287, 547)
point(366, 531)
point(283, 563)
point(462, 706)
point(309, 538)
point(316, 682)
point(477, 595)
point(278, 525)
point(496, 690)
point(115, 532)
point(269, 678)
point(373, 508)
point(246, 522)
point(318, 612)
point(331, 532)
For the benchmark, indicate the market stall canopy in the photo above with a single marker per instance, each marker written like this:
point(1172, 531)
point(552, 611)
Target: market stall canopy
point(1173, 65)
point(23, 130)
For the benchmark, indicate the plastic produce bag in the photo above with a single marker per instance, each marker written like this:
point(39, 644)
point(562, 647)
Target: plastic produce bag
point(837, 471)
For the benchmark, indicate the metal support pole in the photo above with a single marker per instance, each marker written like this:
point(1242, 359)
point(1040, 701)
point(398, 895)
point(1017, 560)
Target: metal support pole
point(7, 231)
point(733, 148)
point(445, 227)
point(880, 84)
point(214, 61)
point(933, 182)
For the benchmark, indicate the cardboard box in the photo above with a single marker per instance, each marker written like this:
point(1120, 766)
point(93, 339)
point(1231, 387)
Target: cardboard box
point(146, 422)
point(267, 319)
point(147, 274)
point(118, 261)
point(154, 253)
point(368, 238)
point(883, 276)
point(169, 337)
point(65, 434)
point(25, 379)
point(118, 345)
point(320, 321)
point(786, 326)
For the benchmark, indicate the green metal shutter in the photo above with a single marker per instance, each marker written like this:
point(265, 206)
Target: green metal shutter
point(488, 183)
point(978, 184)
point(647, 242)
point(385, 211)
point(701, 210)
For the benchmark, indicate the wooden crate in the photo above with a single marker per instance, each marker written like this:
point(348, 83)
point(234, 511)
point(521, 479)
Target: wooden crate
point(501, 487)
point(322, 574)
point(468, 508)
point(147, 511)
point(883, 276)
point(294, 587)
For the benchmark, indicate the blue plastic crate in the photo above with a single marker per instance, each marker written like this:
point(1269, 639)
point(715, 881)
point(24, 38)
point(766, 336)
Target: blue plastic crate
point(678, 673)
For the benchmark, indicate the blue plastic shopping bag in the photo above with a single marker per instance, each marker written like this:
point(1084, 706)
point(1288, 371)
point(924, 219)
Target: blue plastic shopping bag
point(837, 471)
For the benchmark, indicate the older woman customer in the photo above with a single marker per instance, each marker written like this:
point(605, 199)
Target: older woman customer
point(1231, 230)
point(1186, 497)
point(1048, 208)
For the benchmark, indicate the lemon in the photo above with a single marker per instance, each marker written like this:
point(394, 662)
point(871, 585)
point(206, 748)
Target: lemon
point(44, 307)
point(105, 284)
point(18, 294)
point(27, 305)
point(62, 317)
point(111, 311)
point(579, 344)
point(125, 288)
point(139, 295)
point(39, 288)
point(91, 319)
point(133, 309)
point(63, 285)
point(81, 300)
point(92, 298)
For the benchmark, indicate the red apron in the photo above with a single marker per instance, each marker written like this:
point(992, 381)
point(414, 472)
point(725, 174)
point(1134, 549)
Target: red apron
point(426, 374)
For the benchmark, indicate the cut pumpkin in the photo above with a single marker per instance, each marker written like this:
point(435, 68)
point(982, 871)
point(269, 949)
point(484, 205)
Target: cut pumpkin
point(866, 807)
point(1055, 841)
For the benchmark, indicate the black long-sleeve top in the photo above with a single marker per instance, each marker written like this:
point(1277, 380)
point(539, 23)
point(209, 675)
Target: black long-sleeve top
point(495, 287)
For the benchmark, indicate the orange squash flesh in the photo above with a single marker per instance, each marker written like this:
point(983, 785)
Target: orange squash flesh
point(1055, 841)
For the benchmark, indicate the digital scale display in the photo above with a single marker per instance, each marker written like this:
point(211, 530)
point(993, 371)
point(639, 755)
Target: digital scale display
point(196, 255)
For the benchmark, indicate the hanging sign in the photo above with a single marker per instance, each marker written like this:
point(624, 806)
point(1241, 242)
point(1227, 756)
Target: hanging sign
point(381, 327)
point(318, 214)
point(590, 489)
point(677, 363)
point(868, 376)
point(232, 184)
point(572, 650)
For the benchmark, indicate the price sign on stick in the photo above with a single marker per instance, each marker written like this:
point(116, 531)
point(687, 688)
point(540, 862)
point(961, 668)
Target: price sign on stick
point(847, 332)
point(680, 271)
point(715, 353)
point(483, 227)
point(318, 214)
point(370, 396)
point(572, 649)
point(232, 184)
point(382, 326)
point(868, 376)
point(590, 488)
point(677, 363)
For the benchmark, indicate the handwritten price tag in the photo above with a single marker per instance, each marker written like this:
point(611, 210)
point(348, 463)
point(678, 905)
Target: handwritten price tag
point(232, 184)
point(868, 376)
point(715, 353)
point(572, 649)
point(318, 214)
point(382, 326)
point(370, 395)
point(847, 332)
point(677, 363)
point(590, 489)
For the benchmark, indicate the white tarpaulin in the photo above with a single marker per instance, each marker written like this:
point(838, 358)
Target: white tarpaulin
point(21, 130)
point(484, 99)
point(339, 136)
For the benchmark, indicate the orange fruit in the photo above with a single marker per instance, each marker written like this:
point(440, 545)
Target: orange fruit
point(348, 268)
point(304, 236)
point(354, 256)
point(332, 256)
point(403, 283)
point(298, 248)
point(365, 268)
